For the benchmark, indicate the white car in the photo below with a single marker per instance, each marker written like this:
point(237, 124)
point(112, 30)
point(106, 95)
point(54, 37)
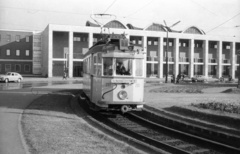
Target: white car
point(11, 76)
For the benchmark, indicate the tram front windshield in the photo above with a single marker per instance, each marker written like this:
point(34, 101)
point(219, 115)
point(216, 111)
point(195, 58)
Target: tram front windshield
point(117, 66)
point(123, 66)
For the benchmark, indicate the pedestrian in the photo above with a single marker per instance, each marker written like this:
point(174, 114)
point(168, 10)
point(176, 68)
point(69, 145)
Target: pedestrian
point(64, 75)
point(178, 78)
point(173, 79)
point(183, 76)
point(229, 78)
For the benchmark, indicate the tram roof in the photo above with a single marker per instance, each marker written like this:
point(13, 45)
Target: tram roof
point(113, 48)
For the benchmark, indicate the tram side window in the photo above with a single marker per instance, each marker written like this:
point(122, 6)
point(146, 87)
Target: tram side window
point(95, 64)
point(84, 65)
point(123, 66)
point(99, 61)
point(139, 67)
point(107, 66)
point(88, 65)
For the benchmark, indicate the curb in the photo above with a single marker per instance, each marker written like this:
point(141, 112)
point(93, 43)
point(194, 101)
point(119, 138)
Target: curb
point(20, 131)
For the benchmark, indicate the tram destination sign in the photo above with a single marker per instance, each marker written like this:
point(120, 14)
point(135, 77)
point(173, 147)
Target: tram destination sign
point(128, 81)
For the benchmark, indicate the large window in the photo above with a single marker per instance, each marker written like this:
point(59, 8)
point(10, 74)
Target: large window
point(18, 68)
point(26, 68)
point(120, 67)
point(8, 38)
point(27, 52)
point(17, 38)
point(123, 66)
point(8, 68)
point(97, 64)
point(8, 52)
point(107, 66)
point(139, 67)
point(27, 38)
point(198, 70)
point(17, 52)
point(212, 70)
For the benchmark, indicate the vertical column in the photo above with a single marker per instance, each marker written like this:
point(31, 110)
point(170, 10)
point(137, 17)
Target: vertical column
point(176, 56)
point(205, 54)
point(90, 39)
point(219, 59)
point(70, 55)
point(50, 54)
point(191, 58)
point(232, 58)
point(160, 57)
point(144, 43)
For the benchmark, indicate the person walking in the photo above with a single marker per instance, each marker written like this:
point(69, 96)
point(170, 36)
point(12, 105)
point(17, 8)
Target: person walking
point(64, 75)
point(178, 78)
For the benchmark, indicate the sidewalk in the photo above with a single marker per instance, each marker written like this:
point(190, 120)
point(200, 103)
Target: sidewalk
point(41, 79)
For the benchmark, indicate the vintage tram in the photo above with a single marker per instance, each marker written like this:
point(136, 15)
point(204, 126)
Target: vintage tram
point(113, 78)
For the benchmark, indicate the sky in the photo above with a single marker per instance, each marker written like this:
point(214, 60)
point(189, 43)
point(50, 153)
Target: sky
point(214, 17)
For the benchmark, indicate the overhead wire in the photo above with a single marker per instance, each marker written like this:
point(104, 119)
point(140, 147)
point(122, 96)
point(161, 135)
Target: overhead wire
point(109, 6)
point(223, 23)
point(203, 7)
point(139, 9)
point(37, 10)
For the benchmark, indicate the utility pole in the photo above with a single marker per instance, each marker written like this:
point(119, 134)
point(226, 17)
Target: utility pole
point(166, 52)
point(238, 58)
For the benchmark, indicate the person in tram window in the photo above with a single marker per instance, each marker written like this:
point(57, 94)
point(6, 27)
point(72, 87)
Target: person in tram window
point(121, 69)
point(108, 70)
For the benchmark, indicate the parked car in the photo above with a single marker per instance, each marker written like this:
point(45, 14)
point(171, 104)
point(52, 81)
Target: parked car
point(187, 79)
point(11, 76)
point(199, 78)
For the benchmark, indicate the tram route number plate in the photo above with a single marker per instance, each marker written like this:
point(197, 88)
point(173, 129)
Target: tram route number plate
point(129, 81)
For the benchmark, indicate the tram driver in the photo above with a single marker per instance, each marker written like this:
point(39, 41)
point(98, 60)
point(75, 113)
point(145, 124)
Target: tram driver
point(121, 69)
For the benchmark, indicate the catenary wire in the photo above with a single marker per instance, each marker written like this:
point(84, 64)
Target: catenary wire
point(109, 6)
point(223, 23)
point(139, 9)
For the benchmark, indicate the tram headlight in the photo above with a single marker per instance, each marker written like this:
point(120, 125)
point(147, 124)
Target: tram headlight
point(122, 95)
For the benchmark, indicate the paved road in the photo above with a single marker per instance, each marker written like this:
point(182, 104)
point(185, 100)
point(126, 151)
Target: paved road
point(14, 98)
point(11, 107)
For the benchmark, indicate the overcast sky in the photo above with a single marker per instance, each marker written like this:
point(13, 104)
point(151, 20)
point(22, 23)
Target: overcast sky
point(215, 17)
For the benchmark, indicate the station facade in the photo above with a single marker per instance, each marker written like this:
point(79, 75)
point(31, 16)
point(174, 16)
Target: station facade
point(190, 51)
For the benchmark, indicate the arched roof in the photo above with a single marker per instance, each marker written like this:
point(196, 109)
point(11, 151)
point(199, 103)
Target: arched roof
point(193, 30)
point(130, 26)
point(90, 24)
point(115, 24)
point(155, 27)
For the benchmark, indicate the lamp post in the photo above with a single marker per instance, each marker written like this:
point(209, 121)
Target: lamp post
point(238, 58)
point(166, 52)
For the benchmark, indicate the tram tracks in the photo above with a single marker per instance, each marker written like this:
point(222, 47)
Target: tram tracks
point(157, 136)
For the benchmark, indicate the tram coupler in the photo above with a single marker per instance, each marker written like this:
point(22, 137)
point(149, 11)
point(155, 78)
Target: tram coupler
point(125, 109)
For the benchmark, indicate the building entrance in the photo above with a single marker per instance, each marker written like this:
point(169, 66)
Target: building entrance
point(77, 69)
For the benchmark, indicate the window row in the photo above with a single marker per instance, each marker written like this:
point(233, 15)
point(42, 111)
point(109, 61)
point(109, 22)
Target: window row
point(15, 68)
point(18, 38)
point(17, 52)
point(80, 39)
point(181, 44)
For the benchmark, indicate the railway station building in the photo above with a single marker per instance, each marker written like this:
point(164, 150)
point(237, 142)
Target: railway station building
point(61, 47)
